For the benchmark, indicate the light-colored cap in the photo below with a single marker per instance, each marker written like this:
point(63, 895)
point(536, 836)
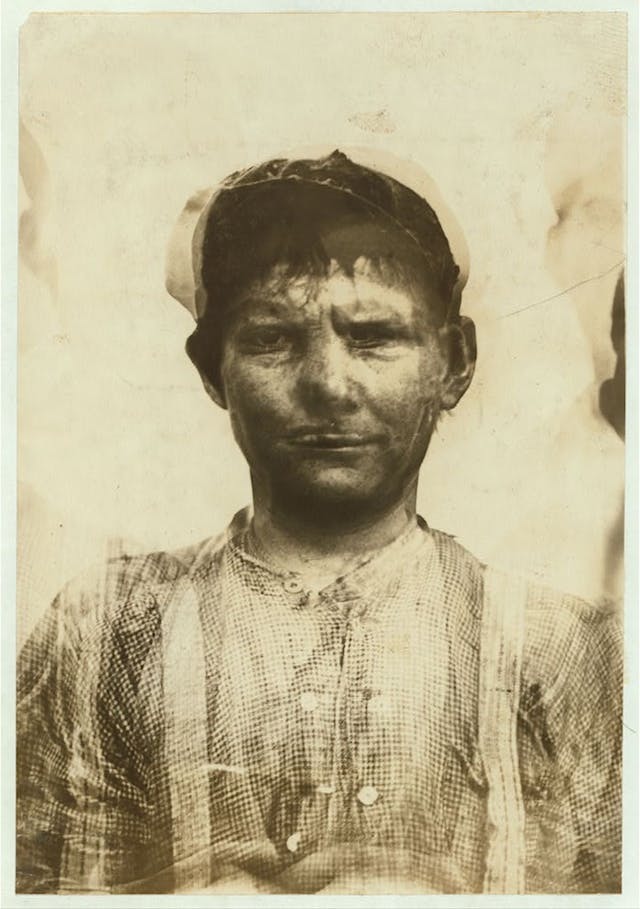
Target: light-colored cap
point(399, 189)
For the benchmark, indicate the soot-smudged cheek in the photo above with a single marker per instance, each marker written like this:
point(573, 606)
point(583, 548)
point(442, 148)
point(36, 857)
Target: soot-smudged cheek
point(402, 393)
point(254, 388)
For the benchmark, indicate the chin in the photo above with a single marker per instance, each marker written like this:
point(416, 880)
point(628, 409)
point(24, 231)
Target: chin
point(332, 495)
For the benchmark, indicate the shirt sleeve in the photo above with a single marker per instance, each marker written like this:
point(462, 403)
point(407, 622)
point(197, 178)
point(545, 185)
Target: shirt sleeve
point(81, 797)
point(46, 667)
point(595, 785)
point(571, 720)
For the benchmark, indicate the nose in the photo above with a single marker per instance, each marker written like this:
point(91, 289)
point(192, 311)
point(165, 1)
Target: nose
point(326, 384)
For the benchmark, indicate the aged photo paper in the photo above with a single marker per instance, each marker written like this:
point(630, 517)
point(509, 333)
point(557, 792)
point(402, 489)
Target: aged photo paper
point(321, 454)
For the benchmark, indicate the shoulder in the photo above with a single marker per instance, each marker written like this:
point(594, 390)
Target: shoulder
point(110, 612)
point(571, 686)
point(462, 572)
point(571, 646)
point(109, 591)
point(572, 678)
point(101, 593)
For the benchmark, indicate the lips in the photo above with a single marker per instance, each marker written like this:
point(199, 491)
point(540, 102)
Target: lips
point(332, 440)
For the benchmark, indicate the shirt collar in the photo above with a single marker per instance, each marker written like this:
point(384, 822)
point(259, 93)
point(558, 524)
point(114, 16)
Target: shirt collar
point(378, 574)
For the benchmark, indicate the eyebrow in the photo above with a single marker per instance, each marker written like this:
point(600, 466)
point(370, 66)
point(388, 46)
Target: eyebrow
point(371, 318)
point(378, 323)
point(261, 313)
point(273, 304)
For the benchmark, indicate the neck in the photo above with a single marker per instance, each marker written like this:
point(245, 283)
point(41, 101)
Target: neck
point(295, 541)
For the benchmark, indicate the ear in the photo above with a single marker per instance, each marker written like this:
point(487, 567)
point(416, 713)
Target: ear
point(459, 347)
point(215, 393)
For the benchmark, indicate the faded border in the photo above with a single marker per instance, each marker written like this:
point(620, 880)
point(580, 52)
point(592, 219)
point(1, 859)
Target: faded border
point(13, 15)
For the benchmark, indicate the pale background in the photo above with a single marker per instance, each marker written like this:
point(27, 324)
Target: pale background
point(518, 117)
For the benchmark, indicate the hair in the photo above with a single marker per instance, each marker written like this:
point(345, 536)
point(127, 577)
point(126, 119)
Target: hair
point(254, 228)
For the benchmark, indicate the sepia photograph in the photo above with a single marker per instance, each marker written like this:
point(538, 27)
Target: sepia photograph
point(321, 453)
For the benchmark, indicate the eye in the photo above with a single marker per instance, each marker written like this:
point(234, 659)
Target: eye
point(265, 338)
point(372, 334)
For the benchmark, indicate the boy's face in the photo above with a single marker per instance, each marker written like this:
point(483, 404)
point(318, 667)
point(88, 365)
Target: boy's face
point(333, 384)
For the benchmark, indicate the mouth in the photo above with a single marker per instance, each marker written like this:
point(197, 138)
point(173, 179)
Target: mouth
point(332, 441)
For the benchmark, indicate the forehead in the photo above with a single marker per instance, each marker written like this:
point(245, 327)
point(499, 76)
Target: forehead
point(371, 288)
point(355, 265)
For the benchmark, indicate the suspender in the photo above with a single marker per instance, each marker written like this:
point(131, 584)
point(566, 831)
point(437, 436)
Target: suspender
point(186, 737)
point(186, 733)
point(501, 639)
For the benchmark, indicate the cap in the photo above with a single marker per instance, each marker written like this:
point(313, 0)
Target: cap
point(417, 210)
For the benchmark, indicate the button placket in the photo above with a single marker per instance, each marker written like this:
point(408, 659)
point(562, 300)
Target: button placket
point(313, 696)
point(345, 729)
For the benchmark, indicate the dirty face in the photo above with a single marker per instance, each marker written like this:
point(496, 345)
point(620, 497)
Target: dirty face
point(333, 383)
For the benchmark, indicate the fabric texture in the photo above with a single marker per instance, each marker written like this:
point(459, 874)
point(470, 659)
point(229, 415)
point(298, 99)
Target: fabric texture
point(198, 721)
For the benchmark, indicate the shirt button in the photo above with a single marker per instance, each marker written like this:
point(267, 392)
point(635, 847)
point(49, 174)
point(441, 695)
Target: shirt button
point(368, 795)
point(326, 789)
point(293, 842)
point(308, 701)
point(292, 585)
